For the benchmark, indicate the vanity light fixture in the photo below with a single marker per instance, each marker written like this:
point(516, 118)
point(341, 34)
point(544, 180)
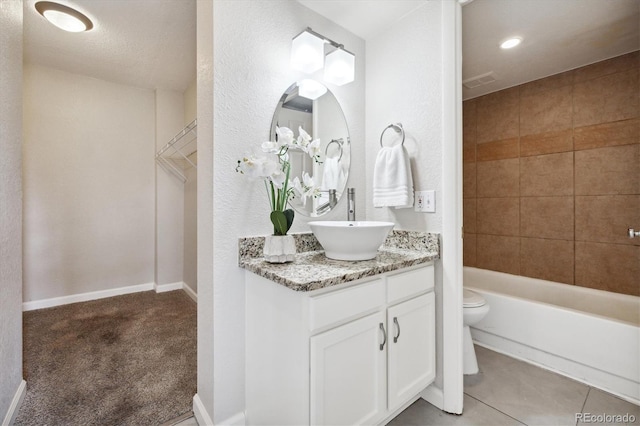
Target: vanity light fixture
point(511, 42)
point(311, 89)
point(64, 17)
point(307, 54)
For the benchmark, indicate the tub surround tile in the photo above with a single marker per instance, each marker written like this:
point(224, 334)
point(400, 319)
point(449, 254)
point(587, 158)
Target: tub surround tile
point(629, 61)
point(610, 170)
point(498, 150)
point(312, 270)
point(498, 216)
point(609, 267)
point(469, 122)
point(554, 82)
point(469, 154)
point(624, 132)
point(499, 178)
point(550, 260)
point(547, 217)
point(606, 218)
point(469, 180)
point(546, 143)
point(498, 253)
point(525, 392)
point(605, 99)
point(546, 175)
point(497, 116)
point(469, 206)
point(550, 110)
point(469, 249)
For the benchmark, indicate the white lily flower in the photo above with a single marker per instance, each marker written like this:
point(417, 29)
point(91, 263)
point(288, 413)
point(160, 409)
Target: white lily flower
point(278, 177)
point(257, 167)
point(285, 136)
point(314, 148)
point(303, 138)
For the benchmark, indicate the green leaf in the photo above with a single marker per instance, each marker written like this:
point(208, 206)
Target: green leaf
point(279, 220)
point(289, 214)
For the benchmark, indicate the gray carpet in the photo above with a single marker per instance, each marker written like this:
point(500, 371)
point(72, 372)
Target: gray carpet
point(126, 360)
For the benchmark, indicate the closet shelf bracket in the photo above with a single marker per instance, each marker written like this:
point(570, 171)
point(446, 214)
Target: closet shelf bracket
point(179, 153)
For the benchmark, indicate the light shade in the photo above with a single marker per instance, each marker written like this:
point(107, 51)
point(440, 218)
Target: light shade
point(311, 89)
point(307, 52)
point(511, 42)
point(339, 67)
point(64, 17)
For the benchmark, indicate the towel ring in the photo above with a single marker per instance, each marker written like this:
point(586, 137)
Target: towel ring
point(336, 141)
point(397, 127)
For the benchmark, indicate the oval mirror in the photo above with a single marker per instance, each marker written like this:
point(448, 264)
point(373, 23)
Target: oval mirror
point(323, 119)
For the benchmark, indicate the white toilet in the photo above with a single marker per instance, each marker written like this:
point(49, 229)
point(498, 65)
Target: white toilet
point(474, 308)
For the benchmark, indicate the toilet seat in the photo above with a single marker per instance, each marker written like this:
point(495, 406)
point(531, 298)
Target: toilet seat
point(471, 299)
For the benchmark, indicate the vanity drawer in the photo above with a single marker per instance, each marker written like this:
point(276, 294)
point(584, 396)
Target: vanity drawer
point(409, 283)
point(347, 304)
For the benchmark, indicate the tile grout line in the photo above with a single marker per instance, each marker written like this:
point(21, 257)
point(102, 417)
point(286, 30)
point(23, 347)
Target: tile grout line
point(494, 408)
point(584, 404)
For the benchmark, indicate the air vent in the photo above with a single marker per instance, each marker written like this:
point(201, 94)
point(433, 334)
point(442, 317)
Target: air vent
point(479, 80)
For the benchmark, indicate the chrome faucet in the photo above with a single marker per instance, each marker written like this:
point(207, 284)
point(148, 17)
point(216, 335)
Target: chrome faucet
point(333, 200)
point(351, 204)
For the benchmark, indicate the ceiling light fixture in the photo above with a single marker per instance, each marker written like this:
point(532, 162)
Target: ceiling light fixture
point(511, 42)
point(64, 17)
point(307, 54)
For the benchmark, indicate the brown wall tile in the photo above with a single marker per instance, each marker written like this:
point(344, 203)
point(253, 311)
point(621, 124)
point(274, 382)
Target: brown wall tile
point(610, 66)
point(610, 98)
point(606, 218)
point(469, 180)
point(469, 250)
point(469, 153)
point(498, 216)
point(611, 170)
point(547, 217)
point(608, 134)
point(469, 215)
point(553, 82)
point(546, 259)
point(498, 178)
point(498, 116)
point(546, 143)
point(546, 111)
point(545, 175)
point(498, 253)
point(610, 267)
point(469, 122)
point(498, 150)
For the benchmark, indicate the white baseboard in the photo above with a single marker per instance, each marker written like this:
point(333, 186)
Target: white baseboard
point(200, 413)
point(161, 288)
point(434, 396)
point(11, 415)
point(192, 294)
point(237, 419)
point(84, 297)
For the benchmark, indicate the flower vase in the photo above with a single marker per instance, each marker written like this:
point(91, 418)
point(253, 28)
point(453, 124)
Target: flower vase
point(279, 248)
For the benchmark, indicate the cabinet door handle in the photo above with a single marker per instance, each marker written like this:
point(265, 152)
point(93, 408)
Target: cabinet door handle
point(384, 334)
point(395, 321)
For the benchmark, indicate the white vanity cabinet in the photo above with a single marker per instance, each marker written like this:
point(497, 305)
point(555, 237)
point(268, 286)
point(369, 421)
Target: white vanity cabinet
point(350, 354)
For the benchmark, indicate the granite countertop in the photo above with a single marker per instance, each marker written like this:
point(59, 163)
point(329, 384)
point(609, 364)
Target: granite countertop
point(312, 270)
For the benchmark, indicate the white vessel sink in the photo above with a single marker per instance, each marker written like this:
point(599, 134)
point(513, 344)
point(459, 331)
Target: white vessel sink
point(358, 240)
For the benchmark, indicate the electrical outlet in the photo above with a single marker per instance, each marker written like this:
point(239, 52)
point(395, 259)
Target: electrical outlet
point(425, 201)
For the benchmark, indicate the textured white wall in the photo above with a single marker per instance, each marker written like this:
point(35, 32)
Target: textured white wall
point(404, 84)
point(10, 201)
point(190, 257)
point(169, 192)
point(251, 71)
point(88, 184)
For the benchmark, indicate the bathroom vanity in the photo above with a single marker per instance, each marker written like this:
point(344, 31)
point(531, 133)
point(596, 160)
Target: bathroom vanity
point(339, 342)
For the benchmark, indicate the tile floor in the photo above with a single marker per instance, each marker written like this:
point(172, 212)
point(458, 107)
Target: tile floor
point(511, 392)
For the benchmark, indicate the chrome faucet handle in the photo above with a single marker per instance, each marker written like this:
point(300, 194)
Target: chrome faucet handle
point(633, 233)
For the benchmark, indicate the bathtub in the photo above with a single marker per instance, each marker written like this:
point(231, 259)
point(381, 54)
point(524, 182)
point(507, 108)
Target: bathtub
point(589, 335)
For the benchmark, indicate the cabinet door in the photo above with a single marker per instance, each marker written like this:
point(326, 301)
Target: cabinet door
point(348, 373)
point(412, 349)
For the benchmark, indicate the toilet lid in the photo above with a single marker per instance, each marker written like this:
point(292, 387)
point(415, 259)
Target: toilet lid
point(471, 299)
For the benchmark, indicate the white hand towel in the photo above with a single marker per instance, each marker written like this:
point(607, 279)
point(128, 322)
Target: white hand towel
point(392, 180)
point(332, 174)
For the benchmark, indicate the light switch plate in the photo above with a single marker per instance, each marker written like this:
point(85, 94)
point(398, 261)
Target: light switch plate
point(425, 201)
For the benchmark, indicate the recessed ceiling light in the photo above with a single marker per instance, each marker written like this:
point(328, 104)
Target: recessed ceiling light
point(64, 17)
point(511, 42)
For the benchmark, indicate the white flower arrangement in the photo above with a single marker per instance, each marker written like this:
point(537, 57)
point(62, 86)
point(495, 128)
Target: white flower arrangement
point(274, 168)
